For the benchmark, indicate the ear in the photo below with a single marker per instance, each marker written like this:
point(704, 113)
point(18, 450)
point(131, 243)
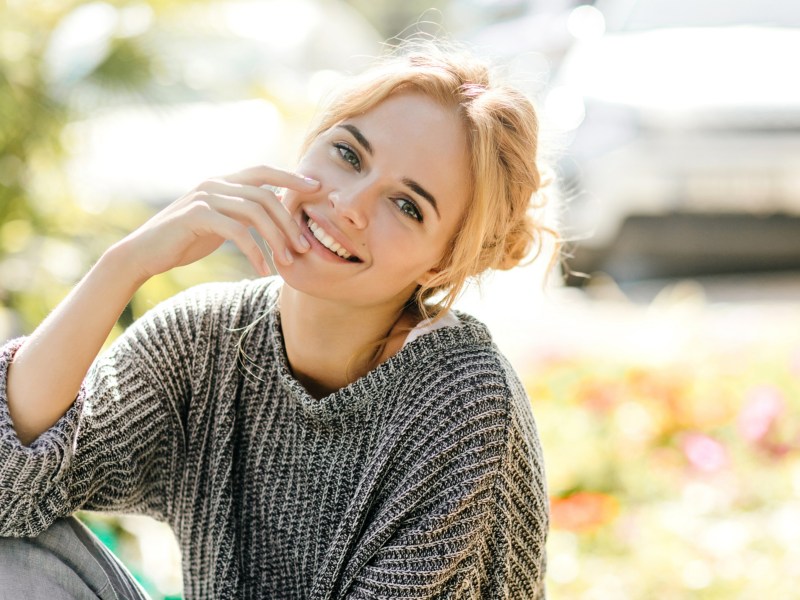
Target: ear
point(426, 277)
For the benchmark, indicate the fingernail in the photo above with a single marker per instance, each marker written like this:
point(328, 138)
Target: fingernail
point(311, 182)
point(289, 257)
point(303, 243)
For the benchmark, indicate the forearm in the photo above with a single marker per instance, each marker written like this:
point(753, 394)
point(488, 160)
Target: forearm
point(47, 371)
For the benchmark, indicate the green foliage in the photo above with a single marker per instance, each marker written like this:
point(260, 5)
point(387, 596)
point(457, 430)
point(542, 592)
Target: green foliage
point(47, 240)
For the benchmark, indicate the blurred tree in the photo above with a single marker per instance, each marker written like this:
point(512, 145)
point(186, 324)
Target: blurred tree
point(63, 62)
point(46, 241)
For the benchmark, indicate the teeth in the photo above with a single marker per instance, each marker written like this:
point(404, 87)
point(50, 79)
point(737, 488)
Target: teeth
point(327, 241)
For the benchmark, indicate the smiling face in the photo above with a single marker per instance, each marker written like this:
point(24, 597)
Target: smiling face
point(394, 186)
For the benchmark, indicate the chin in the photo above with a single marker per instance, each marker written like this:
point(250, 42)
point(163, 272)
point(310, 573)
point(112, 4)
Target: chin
point(302, 278)
point(308, 282)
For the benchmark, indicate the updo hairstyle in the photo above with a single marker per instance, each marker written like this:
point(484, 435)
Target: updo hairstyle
point(498, 229)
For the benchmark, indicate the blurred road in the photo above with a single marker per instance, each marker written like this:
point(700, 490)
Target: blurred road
point(648, 321)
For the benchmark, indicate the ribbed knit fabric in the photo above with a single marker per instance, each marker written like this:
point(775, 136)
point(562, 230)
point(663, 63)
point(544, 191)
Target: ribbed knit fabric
point(423, 479)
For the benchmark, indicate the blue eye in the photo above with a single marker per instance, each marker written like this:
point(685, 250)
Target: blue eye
point(348, 155)
point(408, 208)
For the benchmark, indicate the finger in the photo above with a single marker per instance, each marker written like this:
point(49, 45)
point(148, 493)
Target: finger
point(262, 200)
point(248, 213)
point(231, 229)
point(266, 175)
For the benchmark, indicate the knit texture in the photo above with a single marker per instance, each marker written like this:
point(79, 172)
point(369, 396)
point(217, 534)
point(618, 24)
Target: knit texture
point(422, 479)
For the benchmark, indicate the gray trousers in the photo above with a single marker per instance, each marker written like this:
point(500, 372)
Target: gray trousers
point(66, 561)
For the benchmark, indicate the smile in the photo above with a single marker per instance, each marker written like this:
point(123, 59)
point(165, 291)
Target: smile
point(331, 244)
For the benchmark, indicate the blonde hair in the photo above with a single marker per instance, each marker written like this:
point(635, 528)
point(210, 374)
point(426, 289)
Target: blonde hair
point(498, 229)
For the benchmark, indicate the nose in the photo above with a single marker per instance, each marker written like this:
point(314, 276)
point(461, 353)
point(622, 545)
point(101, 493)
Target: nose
point(351, 205)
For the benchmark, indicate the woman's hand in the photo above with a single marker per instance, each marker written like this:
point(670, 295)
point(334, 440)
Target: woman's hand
point(222, 208)
point(48, 368)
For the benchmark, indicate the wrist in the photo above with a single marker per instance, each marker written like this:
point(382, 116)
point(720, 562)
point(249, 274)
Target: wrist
point(119, 261)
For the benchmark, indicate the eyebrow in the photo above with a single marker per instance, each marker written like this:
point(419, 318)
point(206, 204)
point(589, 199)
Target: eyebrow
point(422, 192)
point(410, 183)
point(359, 136)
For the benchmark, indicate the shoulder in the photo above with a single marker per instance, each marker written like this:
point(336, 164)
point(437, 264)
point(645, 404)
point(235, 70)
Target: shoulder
point(225, 302)
point(461, 372)
point(461, 359)
point(249, 294)
point(210, 312)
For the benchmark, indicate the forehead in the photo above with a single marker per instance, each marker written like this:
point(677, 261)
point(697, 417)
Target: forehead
point(418, 138)
point(413, 115)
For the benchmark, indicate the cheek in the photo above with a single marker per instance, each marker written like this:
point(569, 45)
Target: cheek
point(409, 256)
point(317, 161)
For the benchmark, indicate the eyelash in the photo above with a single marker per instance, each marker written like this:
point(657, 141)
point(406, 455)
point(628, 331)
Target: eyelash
point(402, 203)
point(345, 151)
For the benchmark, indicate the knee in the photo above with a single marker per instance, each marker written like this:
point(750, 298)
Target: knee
point(44, 566)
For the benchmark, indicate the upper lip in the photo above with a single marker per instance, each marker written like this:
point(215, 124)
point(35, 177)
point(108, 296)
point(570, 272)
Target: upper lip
point(332, 231)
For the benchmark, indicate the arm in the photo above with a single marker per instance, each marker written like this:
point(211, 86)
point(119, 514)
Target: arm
point(488, 543)
point(120, 446)
point(68, 440)
point(42, 382)
point(473, 516)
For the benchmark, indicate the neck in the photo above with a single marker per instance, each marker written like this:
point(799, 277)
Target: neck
point(329, 345)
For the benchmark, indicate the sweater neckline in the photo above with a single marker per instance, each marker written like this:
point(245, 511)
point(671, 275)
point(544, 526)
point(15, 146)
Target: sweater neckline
point(469, 331)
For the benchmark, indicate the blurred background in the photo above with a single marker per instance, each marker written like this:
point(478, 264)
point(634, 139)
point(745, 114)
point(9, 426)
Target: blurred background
point(662, 358)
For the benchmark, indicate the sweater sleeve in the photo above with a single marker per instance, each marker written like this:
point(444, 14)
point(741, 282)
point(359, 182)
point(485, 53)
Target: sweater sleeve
point(120, 446)
point(474, 514)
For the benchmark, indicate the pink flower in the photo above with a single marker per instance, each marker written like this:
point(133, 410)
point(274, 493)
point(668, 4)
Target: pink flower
point(704, 452)
point(794, 363)
point(763, 405)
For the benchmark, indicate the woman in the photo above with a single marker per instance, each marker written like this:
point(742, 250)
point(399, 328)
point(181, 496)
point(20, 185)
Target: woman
point(339, 433)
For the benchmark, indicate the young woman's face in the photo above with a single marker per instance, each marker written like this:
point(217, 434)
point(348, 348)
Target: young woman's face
point(394, 185)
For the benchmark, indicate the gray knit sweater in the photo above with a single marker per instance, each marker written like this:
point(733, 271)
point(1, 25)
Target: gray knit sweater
point(423, 479)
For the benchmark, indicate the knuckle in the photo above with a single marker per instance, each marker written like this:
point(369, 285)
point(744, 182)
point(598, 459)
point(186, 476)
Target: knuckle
point(201, 195)
point(199, 207)
point(206, 185)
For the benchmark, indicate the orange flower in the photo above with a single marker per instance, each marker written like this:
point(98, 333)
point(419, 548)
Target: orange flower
point(583, 512)
point(599, 396)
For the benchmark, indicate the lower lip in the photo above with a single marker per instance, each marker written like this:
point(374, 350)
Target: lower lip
point(317, 246)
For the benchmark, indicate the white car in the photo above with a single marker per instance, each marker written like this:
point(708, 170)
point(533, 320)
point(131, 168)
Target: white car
point(682, 129)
